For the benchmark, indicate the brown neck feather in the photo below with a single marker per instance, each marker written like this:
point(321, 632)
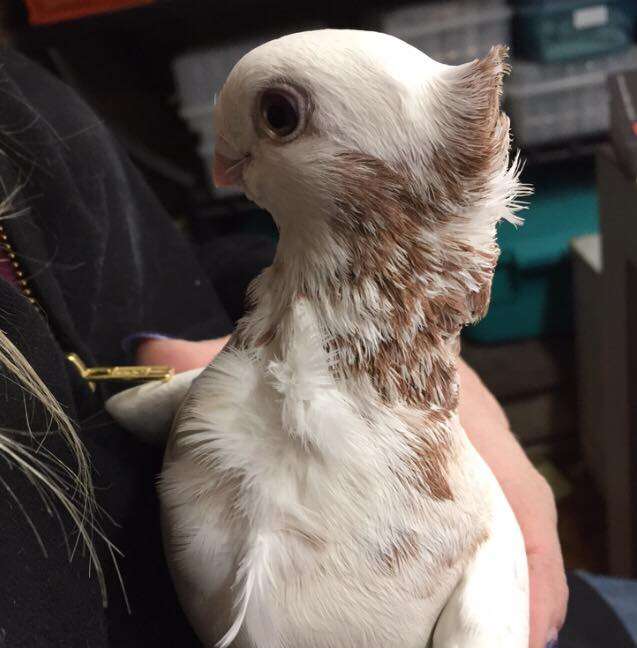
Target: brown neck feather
point(382, 224)
point(401, 272)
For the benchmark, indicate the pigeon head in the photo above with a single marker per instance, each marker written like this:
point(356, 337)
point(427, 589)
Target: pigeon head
point(291, 106)
point(381, 162)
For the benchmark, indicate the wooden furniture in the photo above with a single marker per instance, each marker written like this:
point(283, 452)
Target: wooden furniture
point(618, 208)
point(587, 275)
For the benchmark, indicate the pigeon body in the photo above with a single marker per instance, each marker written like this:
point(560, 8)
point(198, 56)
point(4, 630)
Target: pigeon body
point(318, 490)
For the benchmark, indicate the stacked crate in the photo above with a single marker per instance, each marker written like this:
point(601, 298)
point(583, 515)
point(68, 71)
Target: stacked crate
point(565, 51)
point(451, 32)
point(199, 75)
point(551, 103)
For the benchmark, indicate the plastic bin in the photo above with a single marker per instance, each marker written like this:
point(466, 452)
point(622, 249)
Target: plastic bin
point(589, 331)
point(199, 74)
point(571, 29)
point(630, 7)
point(451, 32)
point(551, 103)
point(532, 286)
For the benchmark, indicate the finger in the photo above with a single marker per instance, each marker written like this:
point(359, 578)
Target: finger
point(182, 355)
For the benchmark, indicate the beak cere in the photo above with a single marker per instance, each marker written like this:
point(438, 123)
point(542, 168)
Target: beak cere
point(228, 165)
point(227, 172)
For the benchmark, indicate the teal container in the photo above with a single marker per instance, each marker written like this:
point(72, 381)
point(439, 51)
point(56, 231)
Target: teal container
point(629, 6)
point(566, 30)
point(532, 287)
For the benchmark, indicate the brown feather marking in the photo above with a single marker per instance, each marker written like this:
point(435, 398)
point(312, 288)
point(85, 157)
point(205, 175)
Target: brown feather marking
point(384, 223)
point(406, 548)
point(429, 464)
point(402, 550)
point(478, 140)
point(380, 222)
point(267, 337)
point(431, 452)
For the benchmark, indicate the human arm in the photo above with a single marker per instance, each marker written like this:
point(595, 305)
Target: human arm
point(530, 498)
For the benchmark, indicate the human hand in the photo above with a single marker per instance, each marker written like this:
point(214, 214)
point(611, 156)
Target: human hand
point(182, 355)
point(530, 498)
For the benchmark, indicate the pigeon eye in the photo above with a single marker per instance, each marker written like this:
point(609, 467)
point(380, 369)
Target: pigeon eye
point(280, 114)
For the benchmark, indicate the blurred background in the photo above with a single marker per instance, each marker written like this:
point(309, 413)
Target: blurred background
point(555, 347)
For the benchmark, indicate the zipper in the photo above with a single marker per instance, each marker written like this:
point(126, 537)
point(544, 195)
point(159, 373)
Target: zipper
point(23, 284)
point(89, 374)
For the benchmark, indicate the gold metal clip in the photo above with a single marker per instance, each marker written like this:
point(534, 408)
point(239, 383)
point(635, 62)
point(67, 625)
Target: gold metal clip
point(130, 373)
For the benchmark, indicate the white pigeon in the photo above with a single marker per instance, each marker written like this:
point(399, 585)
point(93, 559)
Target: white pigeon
point(318, 490)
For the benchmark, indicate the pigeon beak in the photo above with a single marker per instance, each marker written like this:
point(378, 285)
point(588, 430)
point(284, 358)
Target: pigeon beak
point(227, 172)
point(228, 165)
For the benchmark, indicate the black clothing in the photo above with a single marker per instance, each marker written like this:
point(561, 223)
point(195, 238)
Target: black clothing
point(602, 612)
point(104, 261)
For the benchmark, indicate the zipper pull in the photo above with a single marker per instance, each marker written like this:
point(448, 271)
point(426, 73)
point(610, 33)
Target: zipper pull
point(131, 373)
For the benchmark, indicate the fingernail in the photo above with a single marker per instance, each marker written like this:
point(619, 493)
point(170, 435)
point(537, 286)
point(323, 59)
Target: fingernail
point(552, 643)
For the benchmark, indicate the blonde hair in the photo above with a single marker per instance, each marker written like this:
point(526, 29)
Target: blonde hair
point(57, 483)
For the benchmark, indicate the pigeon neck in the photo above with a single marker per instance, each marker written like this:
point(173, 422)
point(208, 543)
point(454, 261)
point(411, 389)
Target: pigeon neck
point(371, 304)
point(390, 341)
point(392, 274)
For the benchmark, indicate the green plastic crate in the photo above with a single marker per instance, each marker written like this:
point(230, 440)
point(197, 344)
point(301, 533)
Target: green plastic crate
point(571, 29)
point(532, 288)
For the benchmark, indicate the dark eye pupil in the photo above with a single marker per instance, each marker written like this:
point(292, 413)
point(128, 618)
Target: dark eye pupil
point(280, 113)
point(280, 116)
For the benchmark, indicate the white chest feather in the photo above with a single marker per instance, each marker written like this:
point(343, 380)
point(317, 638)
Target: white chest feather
point(290, 516)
